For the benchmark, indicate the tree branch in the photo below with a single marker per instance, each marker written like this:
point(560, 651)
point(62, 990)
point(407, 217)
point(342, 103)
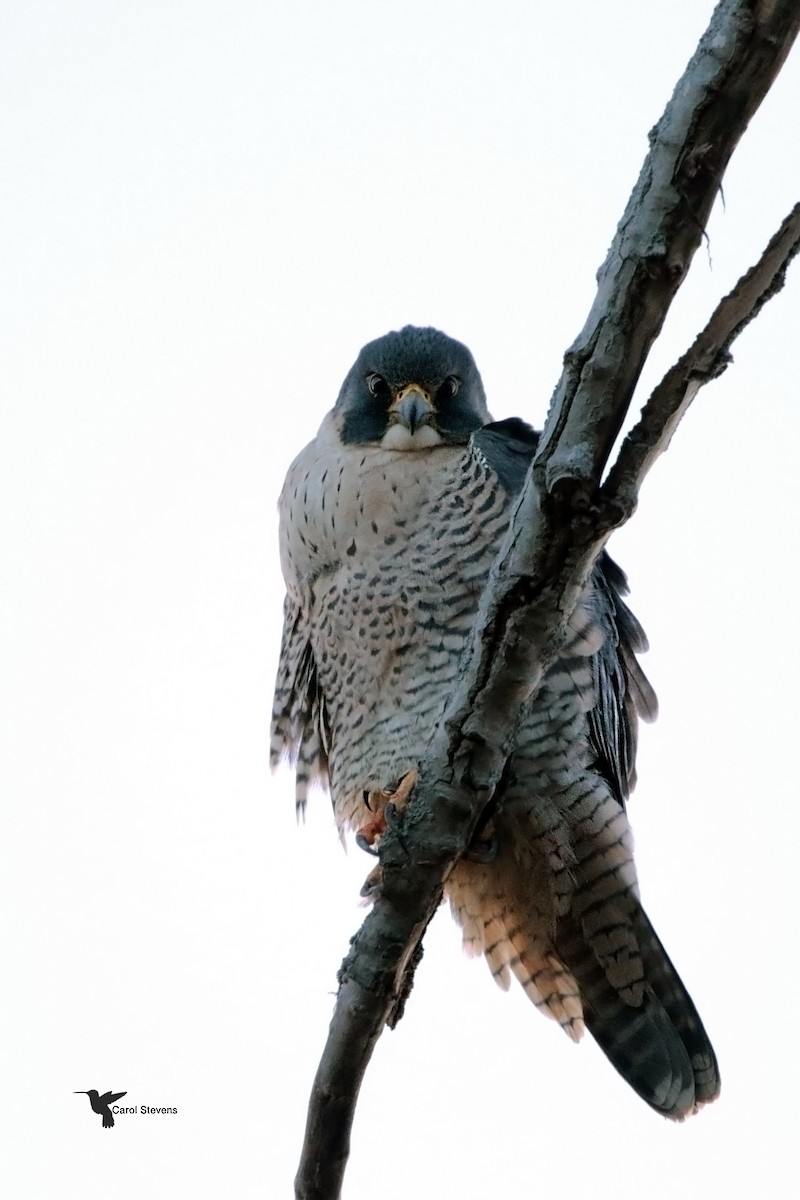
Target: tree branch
point(561, 523)
point(706, 359)
point(728, 76)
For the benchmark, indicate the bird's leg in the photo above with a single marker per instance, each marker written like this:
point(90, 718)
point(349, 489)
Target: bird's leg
point(484, 845)
point(387, 805)
point(371, 887)
point(397, 800)
point(369, 834)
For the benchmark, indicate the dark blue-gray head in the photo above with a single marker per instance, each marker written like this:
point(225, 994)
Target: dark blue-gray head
point(412, 389)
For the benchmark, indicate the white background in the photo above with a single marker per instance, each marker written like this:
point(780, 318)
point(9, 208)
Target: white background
point(207, 208)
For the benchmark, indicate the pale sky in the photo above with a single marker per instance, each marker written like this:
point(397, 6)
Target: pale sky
point(207, 209)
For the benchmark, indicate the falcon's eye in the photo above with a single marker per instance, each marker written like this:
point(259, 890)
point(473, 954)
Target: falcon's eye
point(378, 387)
point(448, 389)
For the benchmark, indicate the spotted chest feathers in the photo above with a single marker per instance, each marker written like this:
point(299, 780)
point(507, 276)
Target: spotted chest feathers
point(387, 555)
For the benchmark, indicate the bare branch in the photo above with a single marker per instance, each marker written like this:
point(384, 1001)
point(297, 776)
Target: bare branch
point(731, 71)
point(705, 360)
point(354, 1030)
point(560, 525)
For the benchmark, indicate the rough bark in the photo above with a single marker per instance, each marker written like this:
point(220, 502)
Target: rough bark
point(564, 517)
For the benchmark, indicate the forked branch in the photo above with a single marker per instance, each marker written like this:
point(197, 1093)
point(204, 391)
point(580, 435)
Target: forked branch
point(706, 359)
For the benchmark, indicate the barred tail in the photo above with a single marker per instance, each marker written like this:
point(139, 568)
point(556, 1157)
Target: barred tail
point(658, 1045)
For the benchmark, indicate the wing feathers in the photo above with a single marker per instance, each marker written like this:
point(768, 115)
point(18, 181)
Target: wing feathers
point(299, 721)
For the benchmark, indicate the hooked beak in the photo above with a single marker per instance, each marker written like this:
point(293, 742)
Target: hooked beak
point(412, 407)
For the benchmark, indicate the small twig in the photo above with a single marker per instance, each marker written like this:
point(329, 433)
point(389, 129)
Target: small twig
point(663, 224)
point(706, 359)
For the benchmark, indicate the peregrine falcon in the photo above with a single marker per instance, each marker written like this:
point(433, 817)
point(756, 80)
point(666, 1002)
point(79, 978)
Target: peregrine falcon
point(390, 520)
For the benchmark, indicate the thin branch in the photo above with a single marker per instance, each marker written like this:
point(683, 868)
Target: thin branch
point(663, 224)
point(560, 524)
point(706, 359)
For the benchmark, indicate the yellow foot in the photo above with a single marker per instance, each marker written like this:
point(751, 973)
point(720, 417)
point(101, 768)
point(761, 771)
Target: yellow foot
point(368, 836)
point(399, 798)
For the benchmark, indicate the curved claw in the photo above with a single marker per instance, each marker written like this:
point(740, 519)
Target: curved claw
point(484, 845)
point(392, 815)
point(482, 850)
point(370, 888)
point(369, 834)
point(365, 844)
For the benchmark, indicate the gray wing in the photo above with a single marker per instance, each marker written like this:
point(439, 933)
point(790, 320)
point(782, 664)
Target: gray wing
point(559, 907)
point(622, 692)
point(300, 731)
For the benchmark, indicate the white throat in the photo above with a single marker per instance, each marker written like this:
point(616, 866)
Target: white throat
point(399, 437)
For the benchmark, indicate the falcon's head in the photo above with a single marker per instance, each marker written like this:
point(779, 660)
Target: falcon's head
point(410, 390)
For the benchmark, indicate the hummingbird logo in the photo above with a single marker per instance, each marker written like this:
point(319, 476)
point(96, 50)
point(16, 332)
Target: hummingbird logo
point(100, 1104)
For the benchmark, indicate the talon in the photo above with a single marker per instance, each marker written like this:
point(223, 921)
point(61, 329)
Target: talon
point(365, 844)
point(390, 815)
point(387, 806)
point(370, 889)
point(369, 834)
point(482, 850)
point(484, 845)
point(399, 797)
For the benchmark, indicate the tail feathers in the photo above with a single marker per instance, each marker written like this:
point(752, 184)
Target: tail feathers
point(553, 990)
point(678, 1005)
point(510, 945)
point(545, 979)
point(602, 968)
point(658, 1045)
point(498, 950)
